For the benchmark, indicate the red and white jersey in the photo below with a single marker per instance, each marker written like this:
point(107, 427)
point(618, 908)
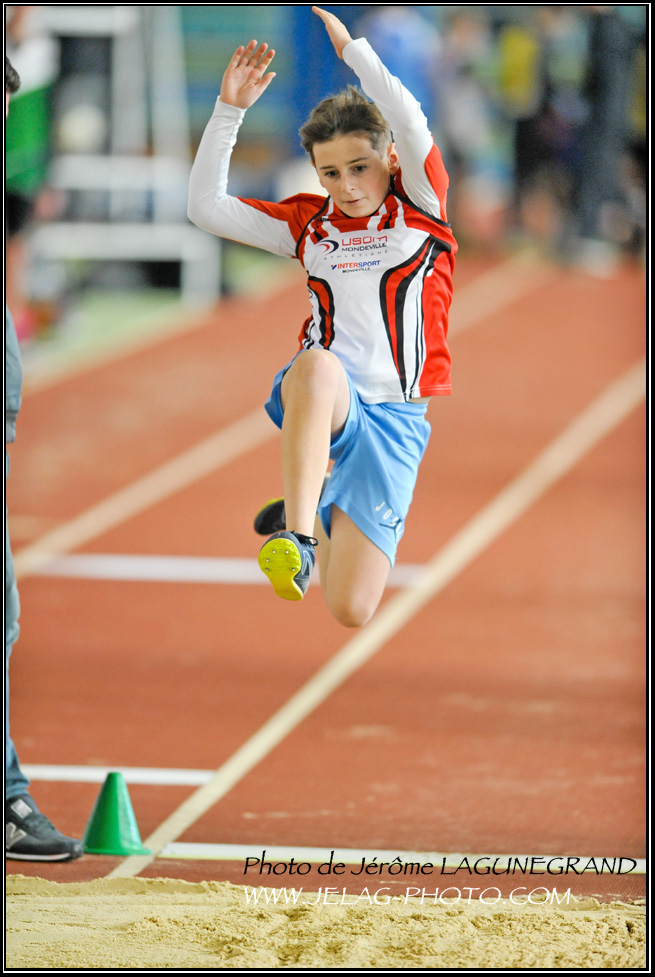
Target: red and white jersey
point(380, 287)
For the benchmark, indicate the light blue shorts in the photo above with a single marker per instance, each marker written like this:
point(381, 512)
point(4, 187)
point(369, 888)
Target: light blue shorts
point(376, 458)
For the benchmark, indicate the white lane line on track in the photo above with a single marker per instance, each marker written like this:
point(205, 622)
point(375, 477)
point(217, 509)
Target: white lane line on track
point(82, 774)
point(495, 289)
point(64, 365)
point(180, 569)
point(194, 851)
point(563, 453)
point(220, 449)
point(490, 292)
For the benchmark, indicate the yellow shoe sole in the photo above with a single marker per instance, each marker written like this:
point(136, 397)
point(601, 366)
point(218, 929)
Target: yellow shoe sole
point(280, 560)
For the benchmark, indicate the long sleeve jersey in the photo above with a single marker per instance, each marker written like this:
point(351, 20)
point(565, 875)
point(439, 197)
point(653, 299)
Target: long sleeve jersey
point(380, 286)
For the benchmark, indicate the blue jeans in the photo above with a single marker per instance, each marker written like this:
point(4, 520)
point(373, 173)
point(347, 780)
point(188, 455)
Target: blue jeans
point(16, 782)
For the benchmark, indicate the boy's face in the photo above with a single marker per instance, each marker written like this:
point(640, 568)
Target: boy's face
point(354, 174)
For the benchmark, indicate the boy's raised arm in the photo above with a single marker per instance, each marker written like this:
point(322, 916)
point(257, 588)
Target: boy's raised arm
point(210, 206)
point(337, 31)
point(424, 177)
point(245, 77)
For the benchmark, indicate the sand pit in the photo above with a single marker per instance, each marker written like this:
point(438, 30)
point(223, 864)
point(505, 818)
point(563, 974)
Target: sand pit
point(165, 923)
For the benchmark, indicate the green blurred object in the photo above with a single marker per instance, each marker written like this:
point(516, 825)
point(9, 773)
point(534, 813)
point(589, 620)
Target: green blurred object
point(112, 827)
point(28, 141)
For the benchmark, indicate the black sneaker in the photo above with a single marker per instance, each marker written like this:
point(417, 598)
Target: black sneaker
point(288, 559)
point(271, 518)
point(31, 837)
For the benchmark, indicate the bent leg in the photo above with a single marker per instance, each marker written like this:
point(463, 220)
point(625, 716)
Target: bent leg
point(354, 571)
point(316, 399)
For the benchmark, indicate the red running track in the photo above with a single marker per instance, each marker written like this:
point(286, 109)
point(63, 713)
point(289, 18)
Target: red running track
point(507, 715)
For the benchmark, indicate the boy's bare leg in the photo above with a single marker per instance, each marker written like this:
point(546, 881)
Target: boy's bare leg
point(316, 400)
point(353, 571)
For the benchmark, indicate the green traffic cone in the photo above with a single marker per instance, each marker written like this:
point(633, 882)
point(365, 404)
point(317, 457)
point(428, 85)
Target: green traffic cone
point(112, 827)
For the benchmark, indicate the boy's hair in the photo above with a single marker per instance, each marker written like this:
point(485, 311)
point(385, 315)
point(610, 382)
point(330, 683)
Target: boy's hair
point(342, 114)
point(12, 79)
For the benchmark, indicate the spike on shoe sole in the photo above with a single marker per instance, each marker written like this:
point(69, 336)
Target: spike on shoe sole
point(280, 560)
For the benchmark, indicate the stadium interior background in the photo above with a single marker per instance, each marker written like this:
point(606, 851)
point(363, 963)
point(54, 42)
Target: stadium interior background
point(114, 99)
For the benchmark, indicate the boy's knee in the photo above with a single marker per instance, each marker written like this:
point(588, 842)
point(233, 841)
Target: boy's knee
point(317, 377)
point(315, 366)
point(352, 613)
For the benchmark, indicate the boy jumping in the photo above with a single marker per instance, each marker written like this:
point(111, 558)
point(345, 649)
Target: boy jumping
point(379, 256)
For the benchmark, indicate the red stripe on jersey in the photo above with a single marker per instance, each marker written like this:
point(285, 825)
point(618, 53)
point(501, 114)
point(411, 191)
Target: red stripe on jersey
point(436, 299)
point(388, 220)
point(318, 233)
point(438, 177)
point(325, 301)
point(304, 332)
point(415, 217)
point(295, 211)
point(393, 288)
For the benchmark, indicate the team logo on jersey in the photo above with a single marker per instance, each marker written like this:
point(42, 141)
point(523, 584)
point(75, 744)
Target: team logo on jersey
point(328, 246)
point(362, 242)
point(366, 242)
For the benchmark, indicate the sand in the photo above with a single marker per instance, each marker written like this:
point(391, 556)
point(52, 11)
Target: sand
point(165, 923)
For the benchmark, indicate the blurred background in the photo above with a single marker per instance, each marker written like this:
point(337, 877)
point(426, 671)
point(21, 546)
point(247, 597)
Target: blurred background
point(540, 112)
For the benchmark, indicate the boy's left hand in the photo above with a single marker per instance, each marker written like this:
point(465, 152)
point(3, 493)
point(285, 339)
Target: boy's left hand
point(336, 30)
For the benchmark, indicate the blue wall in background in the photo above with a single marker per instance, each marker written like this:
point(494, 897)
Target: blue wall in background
point(307, 68)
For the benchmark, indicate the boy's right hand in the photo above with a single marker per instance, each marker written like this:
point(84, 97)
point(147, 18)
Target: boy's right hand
point(245, 78)
point(337, 31)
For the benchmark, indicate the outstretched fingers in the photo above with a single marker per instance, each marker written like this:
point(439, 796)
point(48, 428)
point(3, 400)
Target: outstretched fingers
point(247, 75)
point(252, 56)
